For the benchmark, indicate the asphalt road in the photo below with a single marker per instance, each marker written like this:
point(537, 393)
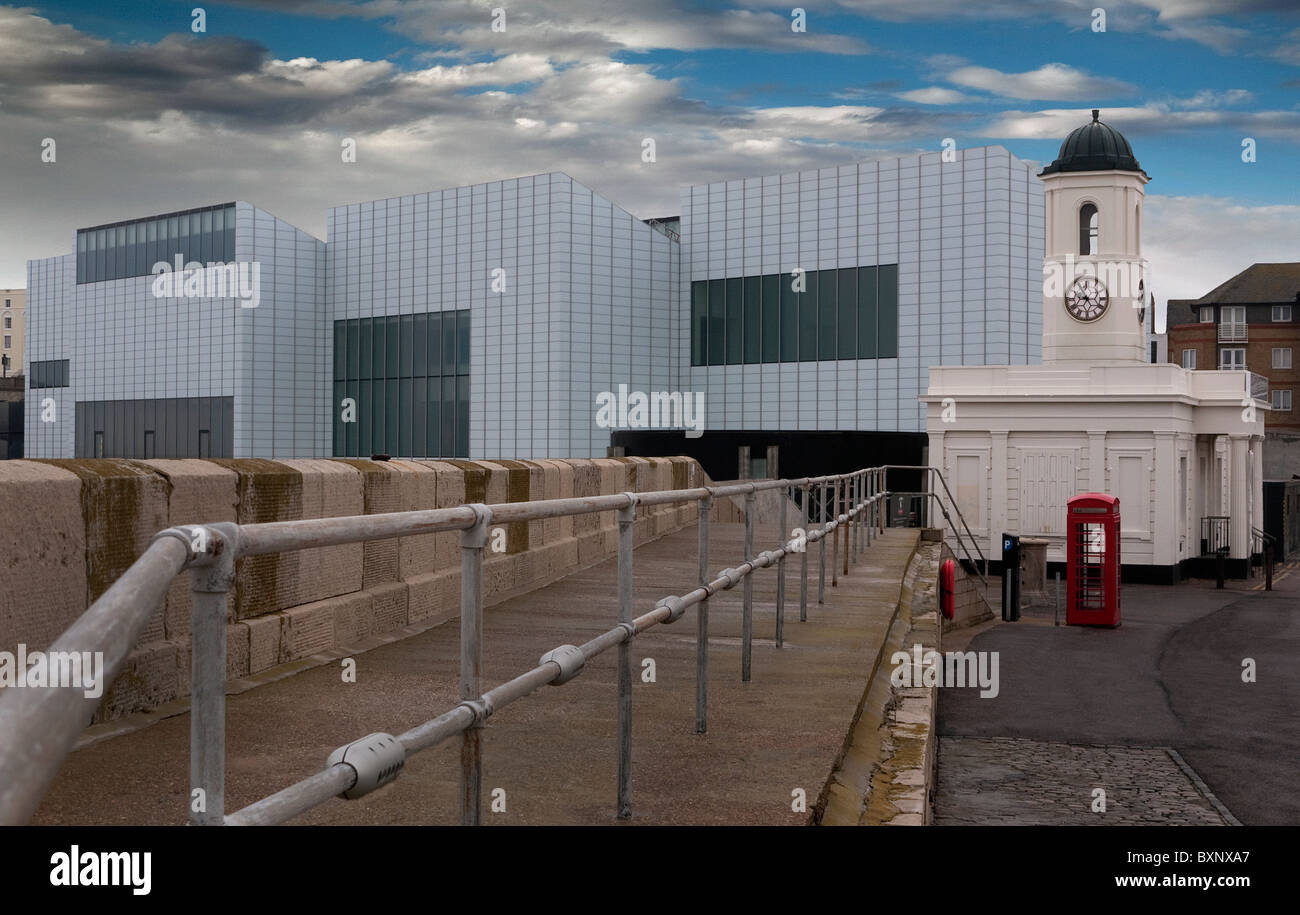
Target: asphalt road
point(1171, 675)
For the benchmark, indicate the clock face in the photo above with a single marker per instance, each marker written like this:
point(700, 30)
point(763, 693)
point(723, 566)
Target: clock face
point(1086, 299)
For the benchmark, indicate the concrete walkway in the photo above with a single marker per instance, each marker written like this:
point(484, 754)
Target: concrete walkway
point(552, 753)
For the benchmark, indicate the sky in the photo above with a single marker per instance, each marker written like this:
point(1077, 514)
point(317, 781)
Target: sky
point(149, 115)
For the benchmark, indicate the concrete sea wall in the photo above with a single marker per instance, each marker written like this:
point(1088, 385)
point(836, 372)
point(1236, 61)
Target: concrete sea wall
point(69, 528)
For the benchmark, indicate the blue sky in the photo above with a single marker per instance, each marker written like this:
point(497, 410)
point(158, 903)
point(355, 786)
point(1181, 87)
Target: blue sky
point(151, 116)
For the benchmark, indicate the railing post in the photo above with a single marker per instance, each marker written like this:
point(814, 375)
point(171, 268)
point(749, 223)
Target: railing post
point(848, 521)
point(856, 524)
point(782, 520)
point(803, 559)
point(747, 613)
point(835, 535)
point(868, 482)
point(472, 542)
point(626, 544)
point(210, 585)
point(702, 624)
point(821, 546)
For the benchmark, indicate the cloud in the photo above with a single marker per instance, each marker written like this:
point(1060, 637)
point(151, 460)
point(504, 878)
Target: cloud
point(1195, 243)
point(1149, 120)
point(1054, 82)
point(934, 95)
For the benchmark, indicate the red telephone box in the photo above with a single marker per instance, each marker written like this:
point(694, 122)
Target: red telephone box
point(1092, 560)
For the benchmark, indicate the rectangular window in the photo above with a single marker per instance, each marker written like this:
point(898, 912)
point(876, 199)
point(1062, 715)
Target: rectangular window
point(435, 352)
point(753, 319)
point(449, 321)
point(407, 340)
point(771, 318)
point(393, 346)
point(1232, 358)
point(8, 341)
point(735, 322)
point(1281, 400)
point(847, 329)
point(826, 314)
point(1207, 314)
point(717, 322)
point(462, 346)
point(1189, 359)
point(1282, 357)
point(131, 251)
point(699, 322)
point(205, 237)
point(789, 319)
point(808, 319)
point(1281, 312)
point(51, 373)
point(419, 347)
point(9, 321)
point(887, 313)
point(230, 233)
point(81, 260)
point(219, 235)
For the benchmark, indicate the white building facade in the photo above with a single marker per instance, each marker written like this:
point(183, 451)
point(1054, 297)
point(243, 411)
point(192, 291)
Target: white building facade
point(1182, 450)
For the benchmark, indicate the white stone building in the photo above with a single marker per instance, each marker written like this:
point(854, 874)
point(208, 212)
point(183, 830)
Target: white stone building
point(1180, 449)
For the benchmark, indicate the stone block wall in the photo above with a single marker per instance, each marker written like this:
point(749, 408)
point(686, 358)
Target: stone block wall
point(69, 528)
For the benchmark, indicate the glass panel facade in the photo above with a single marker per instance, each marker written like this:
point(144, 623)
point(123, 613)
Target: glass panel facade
point(132, 248)
point(409, 377)
point(850, 313)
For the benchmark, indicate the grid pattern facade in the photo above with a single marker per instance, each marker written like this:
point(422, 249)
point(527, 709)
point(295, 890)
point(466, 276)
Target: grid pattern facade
point(568, 294)
point(967, 237)
point(123, 343)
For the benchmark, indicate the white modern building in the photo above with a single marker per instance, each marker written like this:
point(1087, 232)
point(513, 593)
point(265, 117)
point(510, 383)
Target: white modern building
point(1015, 442)
point(226, 367)
point(487, 321)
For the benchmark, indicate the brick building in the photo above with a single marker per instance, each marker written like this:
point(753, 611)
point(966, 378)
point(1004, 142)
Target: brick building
point(1250, 322)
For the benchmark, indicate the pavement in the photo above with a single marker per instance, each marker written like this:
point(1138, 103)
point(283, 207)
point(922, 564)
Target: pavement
point(551, 757)
point(1081, 708)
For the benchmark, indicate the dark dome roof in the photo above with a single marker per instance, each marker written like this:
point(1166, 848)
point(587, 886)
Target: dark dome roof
point(1094, 147)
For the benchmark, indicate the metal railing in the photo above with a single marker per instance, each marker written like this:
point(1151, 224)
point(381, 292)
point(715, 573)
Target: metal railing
point(1234, 332)
point(1214, 534)
point(39, 726)
point(981, 570)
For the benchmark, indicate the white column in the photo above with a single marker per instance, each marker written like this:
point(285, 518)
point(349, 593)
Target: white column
point(1239, 497)
point(1164, 533)
point(1257, 486)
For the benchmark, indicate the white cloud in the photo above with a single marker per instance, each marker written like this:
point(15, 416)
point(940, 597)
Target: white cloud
point(1048, 82)
point(1195, 243)
point(934, 95)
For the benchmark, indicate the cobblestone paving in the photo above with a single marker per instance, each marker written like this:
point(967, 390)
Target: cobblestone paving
point(1016, 782)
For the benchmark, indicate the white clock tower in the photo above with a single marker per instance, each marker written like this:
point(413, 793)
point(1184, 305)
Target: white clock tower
point(1095, 285)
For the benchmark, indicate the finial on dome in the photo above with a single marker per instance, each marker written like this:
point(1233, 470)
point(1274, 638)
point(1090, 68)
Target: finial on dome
point(1096, 115)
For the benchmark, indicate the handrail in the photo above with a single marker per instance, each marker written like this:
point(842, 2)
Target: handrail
point(953, 502)
point(40, 725)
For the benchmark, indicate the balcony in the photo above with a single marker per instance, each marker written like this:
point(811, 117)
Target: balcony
point(1233, 332)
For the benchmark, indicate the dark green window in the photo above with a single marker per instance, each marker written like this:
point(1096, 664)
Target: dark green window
point(887, 319)
point(409, 378)
point(753, 319)
point(771, 318)
point(735, 322)
point(867, 312)
point(130, 249)
point(717, 323)
point(700, 323)
point(789, 319)
point(808, 319)
point(848, 313)
point(826, 314)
